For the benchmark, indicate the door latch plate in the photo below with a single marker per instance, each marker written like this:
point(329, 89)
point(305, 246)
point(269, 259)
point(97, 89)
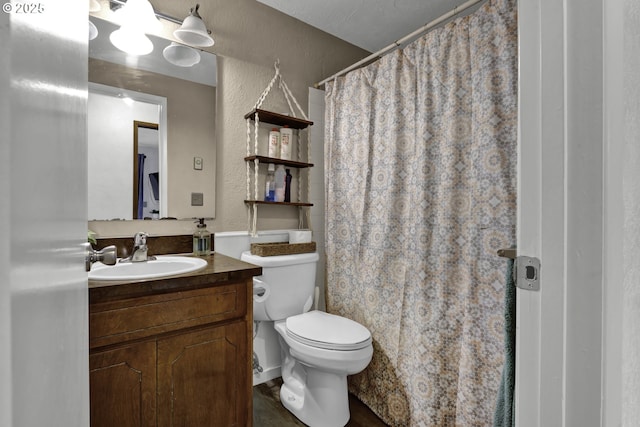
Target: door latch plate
point(527, 273)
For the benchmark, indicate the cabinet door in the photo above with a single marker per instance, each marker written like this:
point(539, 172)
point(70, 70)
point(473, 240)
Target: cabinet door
point(203, 378)
point(123, 386)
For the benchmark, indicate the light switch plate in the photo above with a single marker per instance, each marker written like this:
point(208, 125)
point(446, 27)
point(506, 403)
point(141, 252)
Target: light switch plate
point(197, 163)
point(197, 199)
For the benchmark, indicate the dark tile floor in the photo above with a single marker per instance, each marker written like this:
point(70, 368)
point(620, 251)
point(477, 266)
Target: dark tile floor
point(269, 412)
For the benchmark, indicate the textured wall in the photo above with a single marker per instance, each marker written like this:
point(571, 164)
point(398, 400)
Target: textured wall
point(631, 190)
point(249, 38)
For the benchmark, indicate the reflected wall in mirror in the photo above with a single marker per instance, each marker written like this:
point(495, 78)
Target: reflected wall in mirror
point(187, 124)
point(113, 149)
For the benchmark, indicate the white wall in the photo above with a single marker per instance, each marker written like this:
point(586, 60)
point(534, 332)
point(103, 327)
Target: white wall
point(316, 193)
point(111, 194)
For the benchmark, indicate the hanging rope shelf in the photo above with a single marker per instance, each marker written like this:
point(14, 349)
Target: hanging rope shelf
point(301, 124)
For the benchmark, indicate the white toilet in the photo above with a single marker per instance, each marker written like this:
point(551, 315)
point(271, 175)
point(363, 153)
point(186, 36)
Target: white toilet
point(318, 349)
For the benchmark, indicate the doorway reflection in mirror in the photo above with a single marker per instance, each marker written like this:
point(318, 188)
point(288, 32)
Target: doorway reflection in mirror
point(124, 126)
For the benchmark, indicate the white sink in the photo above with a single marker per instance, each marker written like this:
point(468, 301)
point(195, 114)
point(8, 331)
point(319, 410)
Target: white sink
point(160, 267)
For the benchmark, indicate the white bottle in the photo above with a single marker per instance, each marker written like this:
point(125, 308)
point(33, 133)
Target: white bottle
point(274, 143)
point(280, 183)
point(286, 138)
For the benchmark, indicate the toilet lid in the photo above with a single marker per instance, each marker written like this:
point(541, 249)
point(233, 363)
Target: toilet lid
point(328, 331)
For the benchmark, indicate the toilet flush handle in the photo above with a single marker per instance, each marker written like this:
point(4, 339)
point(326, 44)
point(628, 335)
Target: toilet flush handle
point(261, 290)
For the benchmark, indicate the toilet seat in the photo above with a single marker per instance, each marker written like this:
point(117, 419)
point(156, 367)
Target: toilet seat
point(327, 331)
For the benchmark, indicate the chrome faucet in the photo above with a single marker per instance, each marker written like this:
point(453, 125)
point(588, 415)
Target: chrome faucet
point(139, 253)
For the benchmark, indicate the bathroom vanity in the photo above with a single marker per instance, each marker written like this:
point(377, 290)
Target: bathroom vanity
point(175, 350)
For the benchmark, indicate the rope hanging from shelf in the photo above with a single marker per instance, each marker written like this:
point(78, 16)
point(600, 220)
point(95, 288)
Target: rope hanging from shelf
point(252, 209)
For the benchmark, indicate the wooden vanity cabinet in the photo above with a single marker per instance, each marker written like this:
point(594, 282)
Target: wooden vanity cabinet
point(177, 358)
point(123, 386)
point(195, 389)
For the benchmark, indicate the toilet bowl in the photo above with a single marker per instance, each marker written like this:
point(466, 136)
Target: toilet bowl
point(318, 349)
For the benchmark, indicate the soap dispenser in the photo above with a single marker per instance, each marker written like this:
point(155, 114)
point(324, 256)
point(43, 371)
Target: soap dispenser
point(201, 239)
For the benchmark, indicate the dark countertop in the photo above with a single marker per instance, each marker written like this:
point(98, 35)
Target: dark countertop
point(220, 270)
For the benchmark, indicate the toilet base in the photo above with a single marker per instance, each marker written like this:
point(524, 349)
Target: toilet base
point(315, 380)
point(321, 402)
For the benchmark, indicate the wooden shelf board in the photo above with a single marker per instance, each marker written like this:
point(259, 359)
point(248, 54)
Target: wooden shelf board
point(278, 119)
point(292, 163)
point(262, 202)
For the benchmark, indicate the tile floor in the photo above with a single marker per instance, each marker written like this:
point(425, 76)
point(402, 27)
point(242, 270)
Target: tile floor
point(269, 412)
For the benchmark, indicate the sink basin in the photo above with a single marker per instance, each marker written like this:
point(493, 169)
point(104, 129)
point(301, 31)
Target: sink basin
point(160, 267)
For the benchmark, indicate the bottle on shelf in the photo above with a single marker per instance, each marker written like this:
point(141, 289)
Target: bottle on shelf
point(286, 137)
point(270, 187)
point(274, 143)
point(287, 186)
point(280, 177)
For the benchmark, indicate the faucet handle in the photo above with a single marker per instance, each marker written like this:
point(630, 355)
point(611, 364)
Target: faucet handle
point(140, 238)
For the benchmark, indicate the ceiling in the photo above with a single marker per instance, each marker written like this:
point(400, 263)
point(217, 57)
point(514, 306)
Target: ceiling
point(369, 24)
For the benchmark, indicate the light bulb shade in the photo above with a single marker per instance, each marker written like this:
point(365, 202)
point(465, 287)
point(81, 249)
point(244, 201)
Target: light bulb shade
point(193, 31)
point(94, 6)
point(180, 55)
point(131, 41)
point(93, 31)
point(138, 13)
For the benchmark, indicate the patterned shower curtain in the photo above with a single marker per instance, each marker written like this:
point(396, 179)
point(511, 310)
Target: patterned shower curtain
point(421, 192)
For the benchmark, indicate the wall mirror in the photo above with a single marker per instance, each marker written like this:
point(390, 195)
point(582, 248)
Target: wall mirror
point(180, 101)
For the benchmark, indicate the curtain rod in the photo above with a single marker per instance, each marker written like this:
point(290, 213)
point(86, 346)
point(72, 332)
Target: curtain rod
point(458, 9)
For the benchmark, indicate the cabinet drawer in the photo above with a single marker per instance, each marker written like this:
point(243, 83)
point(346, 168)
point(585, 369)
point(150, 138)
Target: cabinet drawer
point(113, 322)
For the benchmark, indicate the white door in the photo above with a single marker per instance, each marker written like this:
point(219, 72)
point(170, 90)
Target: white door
point(560, 218)
point(43, 198)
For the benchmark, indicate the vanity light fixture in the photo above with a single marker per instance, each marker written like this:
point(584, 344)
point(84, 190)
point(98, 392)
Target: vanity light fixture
point(138, 14)
point(93, 31)
point(94, 6)
point(126, 99)
point(181, 55)
point(193, 31)
point(136, 18)
point(132, 41)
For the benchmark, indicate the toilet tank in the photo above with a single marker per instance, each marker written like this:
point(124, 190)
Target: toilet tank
point(286, 286)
